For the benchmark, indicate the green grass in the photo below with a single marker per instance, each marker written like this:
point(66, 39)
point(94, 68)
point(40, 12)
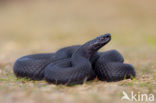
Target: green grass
point(40, 26)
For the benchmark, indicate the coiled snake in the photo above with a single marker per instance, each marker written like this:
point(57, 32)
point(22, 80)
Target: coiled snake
point(76, 64)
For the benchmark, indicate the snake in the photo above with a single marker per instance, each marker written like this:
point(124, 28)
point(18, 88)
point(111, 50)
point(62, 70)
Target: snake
point(76, 64)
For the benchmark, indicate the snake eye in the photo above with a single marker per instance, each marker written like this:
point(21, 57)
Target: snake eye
point(102, 38)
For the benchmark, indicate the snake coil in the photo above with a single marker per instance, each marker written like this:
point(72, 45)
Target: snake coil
point(76, 64)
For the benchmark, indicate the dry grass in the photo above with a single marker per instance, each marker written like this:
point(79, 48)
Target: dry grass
point(37, 26)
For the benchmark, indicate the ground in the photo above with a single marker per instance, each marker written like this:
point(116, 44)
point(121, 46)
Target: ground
point(45, 26)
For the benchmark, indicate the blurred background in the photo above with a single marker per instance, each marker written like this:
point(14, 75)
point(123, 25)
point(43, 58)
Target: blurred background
point(37, 26)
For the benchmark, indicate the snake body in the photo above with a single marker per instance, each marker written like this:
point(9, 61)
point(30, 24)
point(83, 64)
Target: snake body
point(76, 64)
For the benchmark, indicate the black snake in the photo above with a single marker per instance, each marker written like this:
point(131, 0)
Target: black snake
point(76, 64)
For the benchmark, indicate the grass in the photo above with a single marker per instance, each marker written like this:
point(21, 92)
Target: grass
point(42, 26)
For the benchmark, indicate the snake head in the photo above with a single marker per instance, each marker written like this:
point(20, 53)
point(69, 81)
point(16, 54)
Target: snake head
point(99, 42)
point(102, 40)
point(92, 46)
